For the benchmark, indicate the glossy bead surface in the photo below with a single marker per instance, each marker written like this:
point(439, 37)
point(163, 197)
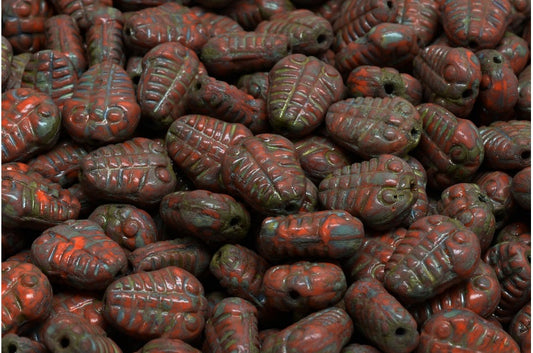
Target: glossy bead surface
point(450, 148)
point(303, 286)
point(166, 303)
point(167, 345)
point(380, 191)
point(214, 218)
point(521, 188)
point(186, 253)
point(78, 254)
point(461, 330)
point(322, 234)
point(129, 226)
point(26, 295)
point(520, 328)
point(63, 35)
point(137, 171)
point(301, 88)
point(436, 253)
point(198, 143)
point(30, 123)
point(381, 318)
point(497, 186)
point(507, 144)
point(373, 126)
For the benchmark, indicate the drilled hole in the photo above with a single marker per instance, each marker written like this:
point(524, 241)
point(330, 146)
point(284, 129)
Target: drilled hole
point(389, 88)
point(129, 32)
point(525, 154)
point(414, 132)
point(64, 342)
point(467, 93)
point(294, 294)
point(234, 221)
point(497, 59)
point(389, 4)
point(400, 331)
point(12, 348)
point(198, 85)
point(482, 198)
point(321, 38)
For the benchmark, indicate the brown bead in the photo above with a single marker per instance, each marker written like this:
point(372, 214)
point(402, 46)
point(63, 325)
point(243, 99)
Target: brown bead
point(421, 206)
point(264, 158)
point(169, 69)
point(167, 303)
point(470, 205)
point(226, 102)
point(371, 258)
point(303, 286)
point(436, 253)
point(519, 231)
point(374, 126)
point(26, 295)
point(386, 44)
point(73, 333)
point(380, 191)
point(380, 317)
point(375, 81)
point(198, 143)
point(89, 306)
point(523, 106)
point(324, 331)
point(161, 345)
point(249, 13)
point(129, 226)
point(468, 23)
point(515, 50)
point(319, 157)
point(521, 188)
point(216, 24)
point(169, 22)
point(241, 52)
point(461, 330)
point(497, 186)
point(61, 164)
point(422, 16)
point(103, 108)
point(30, 124)
point(520, 328)
point(214, 218)
point(20, 344)
point(52, 73)
point(480, 293)
point(23, 23)
point(186, 253)
point(450, 149)
point(308, 33)
point(232, 327)
point(32, 201)
point(511, 260)
point(63, 35)
point(507, 144)
point(137, 171)
point(104, 38)
point(77, 253)
point(255, 84)
point(240, 271)
point(301, 88)
point(356, 18)
point(322, 234)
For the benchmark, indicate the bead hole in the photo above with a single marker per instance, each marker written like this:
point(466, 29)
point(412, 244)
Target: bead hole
point(525, 154)
point(294, 294)
point(414, 132)
point(234, 221)
point(467, 93)
point(482, 198)
point(389, 88)
point(12, 348)
point(198, 85)
point(400, 331)
point(64, 342)
point(321, 38)
point(497, 59)
point(389, 4)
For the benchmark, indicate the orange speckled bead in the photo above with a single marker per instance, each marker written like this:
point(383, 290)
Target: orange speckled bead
point(26, 295)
